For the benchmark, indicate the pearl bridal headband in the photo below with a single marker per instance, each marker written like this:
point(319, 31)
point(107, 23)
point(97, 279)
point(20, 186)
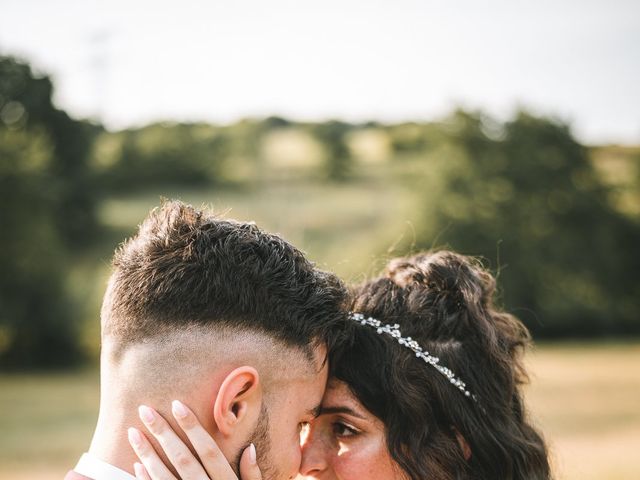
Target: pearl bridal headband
point(408, 342)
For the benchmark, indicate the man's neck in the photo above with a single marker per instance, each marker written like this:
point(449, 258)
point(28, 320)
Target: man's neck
point(110, 443)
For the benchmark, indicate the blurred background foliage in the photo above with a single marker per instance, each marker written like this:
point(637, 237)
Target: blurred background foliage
point(557, 221)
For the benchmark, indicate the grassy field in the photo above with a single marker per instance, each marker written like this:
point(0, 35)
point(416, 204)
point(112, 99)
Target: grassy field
point(344, 227)
point(584, 397)
point(586, 400)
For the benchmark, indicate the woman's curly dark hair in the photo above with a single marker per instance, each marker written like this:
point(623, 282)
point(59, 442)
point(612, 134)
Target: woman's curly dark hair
point(444, 301)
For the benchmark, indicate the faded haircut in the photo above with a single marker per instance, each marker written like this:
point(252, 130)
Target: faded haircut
point(189, 268)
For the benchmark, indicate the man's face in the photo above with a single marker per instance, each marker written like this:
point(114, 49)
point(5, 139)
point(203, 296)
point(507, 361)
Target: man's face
point(293, 403)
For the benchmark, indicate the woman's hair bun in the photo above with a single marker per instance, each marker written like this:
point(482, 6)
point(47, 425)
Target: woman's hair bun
point(454, 293)
point(456, 281)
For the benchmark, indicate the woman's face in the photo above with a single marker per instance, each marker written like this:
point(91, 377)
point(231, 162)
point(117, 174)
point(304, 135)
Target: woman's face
point(346, 441)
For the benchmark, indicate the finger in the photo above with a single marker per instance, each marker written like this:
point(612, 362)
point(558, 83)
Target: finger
point(141, 472)
point(249, 469)
point(177, 452)
point(155, 468)
point(214, 461)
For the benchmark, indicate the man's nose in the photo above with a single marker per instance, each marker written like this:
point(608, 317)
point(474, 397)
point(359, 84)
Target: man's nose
point(314, 456)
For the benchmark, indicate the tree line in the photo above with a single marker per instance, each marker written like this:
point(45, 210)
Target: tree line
point(522, 194)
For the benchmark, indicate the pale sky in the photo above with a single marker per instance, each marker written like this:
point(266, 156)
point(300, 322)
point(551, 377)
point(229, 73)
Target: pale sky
point(135, 61)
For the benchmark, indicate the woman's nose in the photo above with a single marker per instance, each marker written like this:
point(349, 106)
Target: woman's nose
point(314, 456)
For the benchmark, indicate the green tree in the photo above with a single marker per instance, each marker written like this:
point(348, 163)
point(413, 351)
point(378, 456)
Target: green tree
point(525, 196)
point(161, 154)
point(333, 135)
point(47, 211)
point(26, 104)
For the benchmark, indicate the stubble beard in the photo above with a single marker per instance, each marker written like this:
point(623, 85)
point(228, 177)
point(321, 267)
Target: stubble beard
point(260, 438)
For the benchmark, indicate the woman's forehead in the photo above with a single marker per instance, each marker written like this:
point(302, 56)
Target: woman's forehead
point(338, 394)
point(339, 400)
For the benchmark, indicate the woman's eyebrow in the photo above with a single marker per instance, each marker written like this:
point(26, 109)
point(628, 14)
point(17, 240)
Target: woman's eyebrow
point(340, 409)
point(315, 412)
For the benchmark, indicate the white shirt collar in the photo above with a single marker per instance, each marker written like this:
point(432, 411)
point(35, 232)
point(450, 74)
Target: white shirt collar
point(92, 467)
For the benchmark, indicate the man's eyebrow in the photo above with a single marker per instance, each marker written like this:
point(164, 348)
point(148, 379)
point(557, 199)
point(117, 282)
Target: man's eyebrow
point(340, 409)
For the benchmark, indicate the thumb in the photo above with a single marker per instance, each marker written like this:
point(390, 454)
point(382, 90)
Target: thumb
point(249, 469)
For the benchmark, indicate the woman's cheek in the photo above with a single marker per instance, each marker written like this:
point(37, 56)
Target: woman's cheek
point(353, 465)
point(367, 459)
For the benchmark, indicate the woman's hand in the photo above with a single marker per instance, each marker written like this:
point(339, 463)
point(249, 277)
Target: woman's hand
point(210, 463)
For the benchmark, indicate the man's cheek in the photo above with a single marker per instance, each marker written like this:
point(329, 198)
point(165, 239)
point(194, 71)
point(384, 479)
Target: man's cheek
point(296, 459)
point(292, 456)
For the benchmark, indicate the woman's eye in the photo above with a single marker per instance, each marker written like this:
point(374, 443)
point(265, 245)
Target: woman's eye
point(342, 430)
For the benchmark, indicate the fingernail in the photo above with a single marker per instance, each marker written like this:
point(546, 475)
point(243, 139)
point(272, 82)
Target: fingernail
point(252, 454)
point(135, 438)
point(139, 470)
point(179, 410)
point(146, 414)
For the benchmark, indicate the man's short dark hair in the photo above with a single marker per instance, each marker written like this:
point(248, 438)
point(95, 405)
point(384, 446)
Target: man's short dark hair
point(192, 268)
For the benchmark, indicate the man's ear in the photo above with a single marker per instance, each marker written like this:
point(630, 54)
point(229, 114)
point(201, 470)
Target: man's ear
point(239, 397)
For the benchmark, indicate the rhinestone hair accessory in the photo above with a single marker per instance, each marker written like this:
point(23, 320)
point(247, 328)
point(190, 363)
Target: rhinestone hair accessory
point(394, 331)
